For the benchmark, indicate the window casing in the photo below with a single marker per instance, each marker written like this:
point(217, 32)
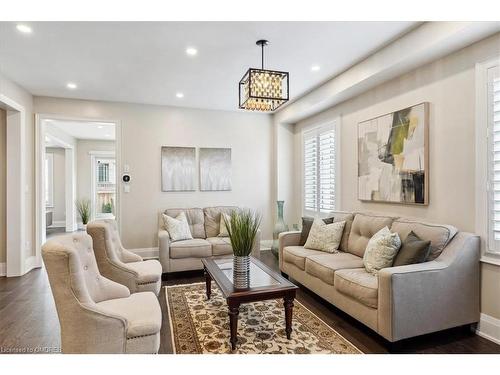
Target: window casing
point(493, 135)
point(319, 170)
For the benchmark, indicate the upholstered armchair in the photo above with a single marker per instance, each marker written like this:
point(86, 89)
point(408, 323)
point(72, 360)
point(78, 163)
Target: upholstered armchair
point(120, 265)
point(97, 315)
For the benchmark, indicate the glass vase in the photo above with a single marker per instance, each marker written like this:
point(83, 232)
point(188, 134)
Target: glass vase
point(279, 227)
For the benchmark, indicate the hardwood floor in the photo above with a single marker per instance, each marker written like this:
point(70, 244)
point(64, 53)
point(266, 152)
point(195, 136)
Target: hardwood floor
point(28, 320)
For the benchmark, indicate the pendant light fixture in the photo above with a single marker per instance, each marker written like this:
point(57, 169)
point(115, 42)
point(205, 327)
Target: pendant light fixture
point(262, 89)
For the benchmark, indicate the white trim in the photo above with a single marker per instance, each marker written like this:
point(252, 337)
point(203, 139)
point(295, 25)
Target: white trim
point(17, 189)
point(336, 124)
point(490, 259)
point(102, 153)
point(3, 269)
point(147, 252)
point(481, 167)
point(31, 263)
point(489, 328)
point(58, 224)
point(49, 157)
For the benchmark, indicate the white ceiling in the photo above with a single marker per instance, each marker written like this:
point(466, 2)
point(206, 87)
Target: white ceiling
point(103, 131)
point(145, 62)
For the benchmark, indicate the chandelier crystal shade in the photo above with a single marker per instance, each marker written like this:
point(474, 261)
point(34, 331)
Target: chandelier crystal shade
point(262, 89)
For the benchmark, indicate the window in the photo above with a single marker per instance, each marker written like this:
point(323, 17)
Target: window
point(49, 180)
point(319, 159)
point(493, 120)
point(103, 172)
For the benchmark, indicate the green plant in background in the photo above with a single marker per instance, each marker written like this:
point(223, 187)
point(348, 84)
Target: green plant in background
point(83, 207)
point(242, 227)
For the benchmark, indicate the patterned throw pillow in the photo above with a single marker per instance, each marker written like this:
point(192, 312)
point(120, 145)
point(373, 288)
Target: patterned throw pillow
point(381, 250)
point(177, 228)
point(307, 223)
point(223, 228)
point(325, 237)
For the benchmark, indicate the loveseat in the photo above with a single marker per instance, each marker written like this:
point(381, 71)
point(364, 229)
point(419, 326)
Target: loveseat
point(397, 302)
point(186, 255)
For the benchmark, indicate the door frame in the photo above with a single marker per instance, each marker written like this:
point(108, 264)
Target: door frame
point(40, 165)
point(17, 242)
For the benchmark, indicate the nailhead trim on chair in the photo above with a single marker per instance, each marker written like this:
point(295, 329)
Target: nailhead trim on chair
point(149, 282)
point(138, 337)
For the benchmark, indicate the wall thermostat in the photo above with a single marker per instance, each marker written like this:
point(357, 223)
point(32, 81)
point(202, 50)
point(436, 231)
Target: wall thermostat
point(126, 177)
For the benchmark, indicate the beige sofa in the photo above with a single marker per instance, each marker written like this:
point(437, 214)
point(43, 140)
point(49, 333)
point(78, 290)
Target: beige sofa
point(97, 315)
point(204, 224)
point(399, 302)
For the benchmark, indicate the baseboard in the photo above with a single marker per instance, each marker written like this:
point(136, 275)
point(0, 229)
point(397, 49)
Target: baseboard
point(58, 224)
point(30, 263)
point(489, 328)
point(3, 269)
point(147, 252)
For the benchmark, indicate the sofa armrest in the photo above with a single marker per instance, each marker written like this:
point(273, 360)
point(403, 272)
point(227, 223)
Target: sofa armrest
point(256, 244)
point(164, 249)
point(432, 296)
point(130, 257)
point(291, 238)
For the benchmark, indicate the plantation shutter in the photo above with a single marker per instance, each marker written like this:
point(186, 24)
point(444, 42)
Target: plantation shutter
point(319, 170)
point(494, 157)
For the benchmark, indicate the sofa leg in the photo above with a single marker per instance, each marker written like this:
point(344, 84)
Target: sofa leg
point(395, 347)
point(164, 276)
point(284, 275)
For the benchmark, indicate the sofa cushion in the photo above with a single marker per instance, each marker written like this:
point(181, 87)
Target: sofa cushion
point(348, 218)
point(148, 271)
point(325, 237)
point(413, 250)
point(297, 255)
point(212, 219)
point(307, 223)
point(195, 248)
point(178, 227)
point(381, 250)
point(439, 234)
point(220, 245)
point(358, 284)
point(195, 218)
point(364, 226)
point(141, 310)
point(324, 266)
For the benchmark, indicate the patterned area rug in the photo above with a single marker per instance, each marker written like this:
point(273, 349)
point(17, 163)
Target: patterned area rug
point(202, 327)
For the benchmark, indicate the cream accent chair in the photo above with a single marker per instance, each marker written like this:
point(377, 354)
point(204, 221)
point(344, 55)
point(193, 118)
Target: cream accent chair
point(97, 315)
point(120, 265)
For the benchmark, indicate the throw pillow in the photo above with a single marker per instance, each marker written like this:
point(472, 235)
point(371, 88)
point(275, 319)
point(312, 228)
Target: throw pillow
point(223, 228)
point(177, 228)
point(381, 250)
point(307, 222)
point(325, 237)
point(413, 250)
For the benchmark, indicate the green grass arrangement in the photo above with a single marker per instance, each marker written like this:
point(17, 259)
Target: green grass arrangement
point(242, 228)
point(83, 207)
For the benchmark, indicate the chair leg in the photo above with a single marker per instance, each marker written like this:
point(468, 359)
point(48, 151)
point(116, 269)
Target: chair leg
point(164, 276)
point(284, 275)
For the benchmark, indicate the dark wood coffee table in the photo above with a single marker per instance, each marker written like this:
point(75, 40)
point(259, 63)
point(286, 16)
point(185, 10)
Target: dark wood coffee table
point(265, 284)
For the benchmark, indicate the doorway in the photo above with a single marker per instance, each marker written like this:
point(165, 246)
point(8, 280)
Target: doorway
point(77, 179)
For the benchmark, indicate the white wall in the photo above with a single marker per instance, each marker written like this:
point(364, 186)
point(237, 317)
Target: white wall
point(449, 86)
point(59, 199)
point(145, 128)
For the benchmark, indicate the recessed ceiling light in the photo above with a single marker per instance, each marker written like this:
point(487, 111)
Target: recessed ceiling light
point(71, 85)
point(25, 29)
point(107, 135)
point(100, 127)
point(191, 51)
point(315, 68)
point(179, 95)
